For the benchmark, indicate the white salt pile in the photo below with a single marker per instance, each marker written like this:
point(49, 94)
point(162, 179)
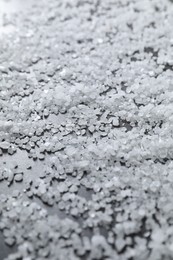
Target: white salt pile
point(86, 137)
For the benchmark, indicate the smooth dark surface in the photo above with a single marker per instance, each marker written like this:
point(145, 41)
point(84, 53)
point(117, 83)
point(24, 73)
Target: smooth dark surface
point(4, 249)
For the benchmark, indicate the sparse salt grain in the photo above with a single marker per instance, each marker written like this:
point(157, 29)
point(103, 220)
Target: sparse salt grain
point(74, 212)
point(10, 241)
point(18, 177)
point(4, 145)
point(16, 193)
point(66, 74)
point(115, 122)
point(10, 176)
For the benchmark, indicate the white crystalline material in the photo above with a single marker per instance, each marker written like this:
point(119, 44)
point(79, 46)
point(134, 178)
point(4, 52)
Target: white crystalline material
point(95, 103)
point(170, 247)
point(66, 74)
point(62, 187)
point(108, 184)
point(155, 186)
point(1, 176)
point(158, 236)
point(41, 189)
point(82, 164)
point(126, 193)
point(96, 187)
point(4, 145)
point(115, 122)
point(6, 125)
point(98, 240)
point(115, 181)
point(70, 151)
point(15, 193)
point(18, 177)
point(10, 176)
point(91, 128)
point(129, 227)
point(142, 212)
point(170, 177)
point(73, 188)
point(120, 243)
point(10, 241)
point(74, 212)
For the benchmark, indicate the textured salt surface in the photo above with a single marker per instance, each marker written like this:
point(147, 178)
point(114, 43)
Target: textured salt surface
point(86, 130)
point(7, 9)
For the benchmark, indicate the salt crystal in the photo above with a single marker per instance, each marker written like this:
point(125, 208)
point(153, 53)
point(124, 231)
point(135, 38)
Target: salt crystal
point(4, 145)
point(115, 122)
point(18, 177)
